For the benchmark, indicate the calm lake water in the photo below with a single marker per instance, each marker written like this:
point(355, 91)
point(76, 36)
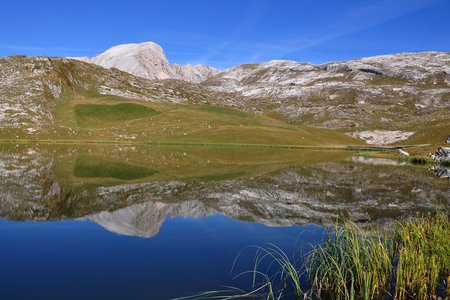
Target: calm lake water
point(125, 222)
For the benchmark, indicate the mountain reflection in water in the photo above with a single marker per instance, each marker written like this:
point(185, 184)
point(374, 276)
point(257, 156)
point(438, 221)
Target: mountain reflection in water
point(130, 190)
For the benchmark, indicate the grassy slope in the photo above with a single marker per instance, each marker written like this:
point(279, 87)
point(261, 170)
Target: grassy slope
point(111, 118)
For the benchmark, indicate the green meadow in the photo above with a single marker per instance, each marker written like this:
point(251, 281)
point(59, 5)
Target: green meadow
point(115, 120)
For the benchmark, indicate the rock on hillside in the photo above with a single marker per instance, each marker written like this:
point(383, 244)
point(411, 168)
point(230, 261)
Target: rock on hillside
point(149, 61)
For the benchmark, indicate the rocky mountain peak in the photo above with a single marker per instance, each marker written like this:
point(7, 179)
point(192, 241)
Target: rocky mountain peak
point(144, 60)
point(148, 60)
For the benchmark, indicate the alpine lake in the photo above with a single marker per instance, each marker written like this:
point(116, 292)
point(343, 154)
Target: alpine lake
point(99, 221)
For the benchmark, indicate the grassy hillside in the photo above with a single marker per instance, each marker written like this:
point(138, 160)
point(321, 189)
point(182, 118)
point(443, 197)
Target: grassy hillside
point(115, 119)
point(62, 99)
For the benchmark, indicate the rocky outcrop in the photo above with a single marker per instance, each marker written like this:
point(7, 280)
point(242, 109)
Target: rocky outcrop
point(441, 154)
point(193, 73)
point(148, 60)
point(284, 79)
point(381, 137)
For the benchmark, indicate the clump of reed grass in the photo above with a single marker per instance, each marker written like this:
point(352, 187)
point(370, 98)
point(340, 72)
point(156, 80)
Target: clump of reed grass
point(423, 258)
point(410, 262)
point(351, 264)
point(413, 262)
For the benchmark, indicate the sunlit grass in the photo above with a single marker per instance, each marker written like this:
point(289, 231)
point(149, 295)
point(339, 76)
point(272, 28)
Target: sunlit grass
point(106, 118)
point(423, 253)
point(350, 264)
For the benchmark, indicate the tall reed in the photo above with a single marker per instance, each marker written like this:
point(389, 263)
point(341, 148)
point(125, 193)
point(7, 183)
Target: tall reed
point(411, 262)
point(351, 264)
point(423, 257)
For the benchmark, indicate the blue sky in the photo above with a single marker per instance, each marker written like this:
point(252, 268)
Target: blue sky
point(223, 33)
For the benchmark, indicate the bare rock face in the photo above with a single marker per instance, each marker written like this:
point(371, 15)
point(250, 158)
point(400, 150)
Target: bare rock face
point(144, 60)
point(382, 137)
point(193, 73)
point(148, 60)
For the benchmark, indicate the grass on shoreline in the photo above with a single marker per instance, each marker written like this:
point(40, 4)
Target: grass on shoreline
point(411, 262)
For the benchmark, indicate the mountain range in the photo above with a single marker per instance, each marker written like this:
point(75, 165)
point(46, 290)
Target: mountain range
point(381, 100)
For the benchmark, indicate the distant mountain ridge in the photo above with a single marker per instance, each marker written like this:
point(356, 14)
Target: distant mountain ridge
point(385, 98)
point(387, 92)
point(148, 60)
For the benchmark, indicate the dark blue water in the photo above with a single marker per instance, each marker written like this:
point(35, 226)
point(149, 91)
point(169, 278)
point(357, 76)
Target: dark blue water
point(81, 260)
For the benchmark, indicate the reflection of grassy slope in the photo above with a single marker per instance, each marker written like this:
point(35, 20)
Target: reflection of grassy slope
point(108, 118)
point(98, 167)
point(106, 164)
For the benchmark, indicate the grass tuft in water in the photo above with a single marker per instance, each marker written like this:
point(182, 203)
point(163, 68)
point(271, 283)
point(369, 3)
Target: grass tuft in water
point(423, 258)
point(350, 264)
point(412, 262)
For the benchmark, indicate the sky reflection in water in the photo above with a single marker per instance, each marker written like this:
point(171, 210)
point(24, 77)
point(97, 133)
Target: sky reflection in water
point(80, 260)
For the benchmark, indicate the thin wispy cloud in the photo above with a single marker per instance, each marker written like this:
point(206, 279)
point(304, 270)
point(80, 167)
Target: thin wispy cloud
point(225, 52)
point(255, 12)
point(356, 20)
point(353, 21)
point(367, 17)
